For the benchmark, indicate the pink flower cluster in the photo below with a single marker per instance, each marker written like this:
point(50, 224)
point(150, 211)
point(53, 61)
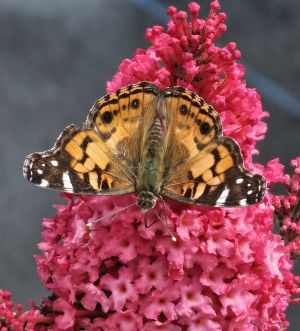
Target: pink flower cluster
point(186, 55)
point(226, 271)
point(287, 210)
point(8, 317)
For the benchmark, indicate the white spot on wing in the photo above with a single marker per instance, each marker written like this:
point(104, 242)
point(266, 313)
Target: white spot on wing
point(40, 171)
point(222, 198)
point(243, 202)
point(44, 183)
point(239, 180)
point(249, 192)
point(54, 163)
point(67, 181)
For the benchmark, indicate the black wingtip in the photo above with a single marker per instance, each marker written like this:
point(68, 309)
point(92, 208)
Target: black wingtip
point(30, 171)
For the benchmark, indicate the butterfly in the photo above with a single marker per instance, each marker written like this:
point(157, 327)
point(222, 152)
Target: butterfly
point(155, 143)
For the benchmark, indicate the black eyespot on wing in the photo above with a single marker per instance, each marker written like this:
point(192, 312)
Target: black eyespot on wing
point(205, 128)
point(107, 117)
point(183, 109)
point(135, 103)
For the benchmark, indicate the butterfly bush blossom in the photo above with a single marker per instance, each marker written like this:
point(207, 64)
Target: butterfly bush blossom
point(226, 271)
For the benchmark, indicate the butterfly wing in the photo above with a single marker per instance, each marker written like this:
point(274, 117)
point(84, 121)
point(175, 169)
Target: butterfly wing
point(101, 156)
point(79, 162)
point(121, 117)
point(203, 167)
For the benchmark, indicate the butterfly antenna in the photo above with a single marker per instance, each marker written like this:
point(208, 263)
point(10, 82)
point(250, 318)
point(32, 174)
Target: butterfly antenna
point(165, 222)
point(167, 227)
point(90, 224)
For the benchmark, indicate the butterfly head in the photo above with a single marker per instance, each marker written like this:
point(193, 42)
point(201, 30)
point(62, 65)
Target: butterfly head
point(146, 200)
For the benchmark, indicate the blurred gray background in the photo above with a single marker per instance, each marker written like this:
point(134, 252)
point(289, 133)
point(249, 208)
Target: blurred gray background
point(55, 58)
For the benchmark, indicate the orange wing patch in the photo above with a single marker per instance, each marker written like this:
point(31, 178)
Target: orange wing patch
point(203, 173)
point(117, 117)
point(91, 161)
point(215, 177)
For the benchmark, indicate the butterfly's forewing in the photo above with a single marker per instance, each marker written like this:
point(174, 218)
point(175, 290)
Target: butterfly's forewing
point(78, 163)
point(100, 157)
point(206, 167)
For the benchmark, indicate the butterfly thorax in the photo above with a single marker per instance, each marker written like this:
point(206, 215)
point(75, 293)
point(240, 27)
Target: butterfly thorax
point(150, 170)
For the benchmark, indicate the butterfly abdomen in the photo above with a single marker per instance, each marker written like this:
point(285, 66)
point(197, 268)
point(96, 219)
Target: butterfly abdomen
point(155, 138)
point(150, 169)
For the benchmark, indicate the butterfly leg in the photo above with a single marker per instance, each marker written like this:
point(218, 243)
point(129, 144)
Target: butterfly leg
point(147, 225)
point(165, 221)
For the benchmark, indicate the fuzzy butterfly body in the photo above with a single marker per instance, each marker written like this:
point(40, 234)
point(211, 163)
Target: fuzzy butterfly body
point(154, 143)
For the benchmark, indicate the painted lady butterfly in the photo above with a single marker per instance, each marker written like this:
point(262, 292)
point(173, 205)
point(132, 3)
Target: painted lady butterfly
point(156, 143)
